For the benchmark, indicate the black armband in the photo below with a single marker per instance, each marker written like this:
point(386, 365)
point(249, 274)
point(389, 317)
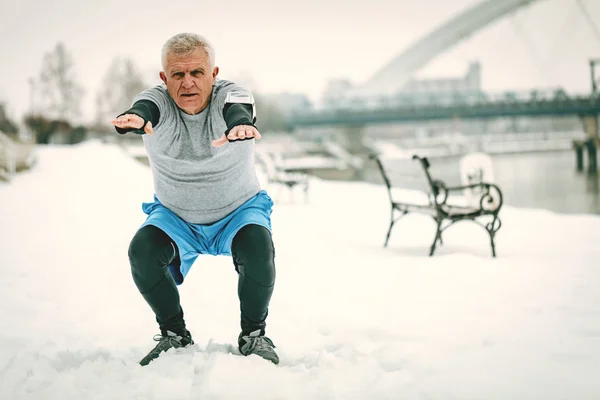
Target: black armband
point(239, 109)
point(145, 109)
point(237, 114)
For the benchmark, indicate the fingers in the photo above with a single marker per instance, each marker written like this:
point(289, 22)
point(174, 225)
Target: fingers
point(129, 121)
point(243, 132)
point(220, 141)
point(239, 132)
point(148, 128)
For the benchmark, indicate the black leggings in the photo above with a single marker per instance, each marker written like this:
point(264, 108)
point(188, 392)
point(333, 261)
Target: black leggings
point(151, 252)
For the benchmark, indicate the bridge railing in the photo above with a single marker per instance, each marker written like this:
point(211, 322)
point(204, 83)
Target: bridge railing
point(437, 99)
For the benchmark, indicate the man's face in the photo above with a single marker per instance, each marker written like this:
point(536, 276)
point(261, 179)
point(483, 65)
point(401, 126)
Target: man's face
point(189, 80)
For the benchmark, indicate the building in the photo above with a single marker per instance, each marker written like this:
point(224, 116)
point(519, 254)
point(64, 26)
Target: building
point(342, 94)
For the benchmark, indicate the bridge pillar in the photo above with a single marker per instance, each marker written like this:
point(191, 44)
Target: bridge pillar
point(590, 124)
point(592, 156)
point(578, 156)
point(591, 143)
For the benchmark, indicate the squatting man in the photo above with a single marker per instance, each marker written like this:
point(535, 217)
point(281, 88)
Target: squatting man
point(199, 134)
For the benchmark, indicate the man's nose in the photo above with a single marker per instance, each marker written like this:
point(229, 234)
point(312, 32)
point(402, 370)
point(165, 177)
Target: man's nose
point(188, 81)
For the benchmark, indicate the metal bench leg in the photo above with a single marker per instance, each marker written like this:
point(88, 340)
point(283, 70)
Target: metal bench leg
point(438, 236)
point(392, 222)
point(387, 237)
point(492, 228)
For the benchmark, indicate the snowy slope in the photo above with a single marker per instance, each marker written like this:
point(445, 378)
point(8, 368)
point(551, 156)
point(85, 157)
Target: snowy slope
point(351, 319)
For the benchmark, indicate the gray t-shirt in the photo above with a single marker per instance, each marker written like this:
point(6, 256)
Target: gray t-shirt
point(199, 182)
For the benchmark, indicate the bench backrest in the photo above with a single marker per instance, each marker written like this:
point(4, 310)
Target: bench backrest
point(411, 174)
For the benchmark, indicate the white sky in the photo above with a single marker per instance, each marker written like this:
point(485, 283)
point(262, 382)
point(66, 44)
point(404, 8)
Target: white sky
point(293, 45)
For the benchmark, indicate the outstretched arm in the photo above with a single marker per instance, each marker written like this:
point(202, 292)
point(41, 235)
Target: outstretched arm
point(140, 118)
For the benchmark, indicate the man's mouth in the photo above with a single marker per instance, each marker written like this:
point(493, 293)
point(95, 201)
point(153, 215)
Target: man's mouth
point(189, 94)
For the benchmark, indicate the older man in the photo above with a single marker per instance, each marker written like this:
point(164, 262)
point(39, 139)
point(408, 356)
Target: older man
point(198, 133)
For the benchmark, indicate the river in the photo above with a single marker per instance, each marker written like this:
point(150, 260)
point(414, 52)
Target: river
point(543, 180)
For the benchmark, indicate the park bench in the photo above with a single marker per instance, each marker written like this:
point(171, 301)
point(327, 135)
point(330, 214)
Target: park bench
point(277, 175)
point(482, 205)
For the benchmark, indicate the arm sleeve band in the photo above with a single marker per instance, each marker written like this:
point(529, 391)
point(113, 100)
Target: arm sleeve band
point(238, 114)
point(145, 109)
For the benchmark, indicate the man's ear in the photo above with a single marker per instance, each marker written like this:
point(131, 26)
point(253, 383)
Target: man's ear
point(215, 72)
point(163, 77)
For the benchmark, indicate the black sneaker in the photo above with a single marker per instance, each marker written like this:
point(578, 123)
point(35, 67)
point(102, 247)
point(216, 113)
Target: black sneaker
point(165, 342)
point(255, 343)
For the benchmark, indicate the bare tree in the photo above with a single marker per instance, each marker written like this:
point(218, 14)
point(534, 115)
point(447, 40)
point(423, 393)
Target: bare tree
point(60, 93)
point(121, 83)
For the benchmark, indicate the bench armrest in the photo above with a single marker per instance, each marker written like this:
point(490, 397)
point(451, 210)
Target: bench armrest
point(439, 193)
point(490, 197)
point(480, 185)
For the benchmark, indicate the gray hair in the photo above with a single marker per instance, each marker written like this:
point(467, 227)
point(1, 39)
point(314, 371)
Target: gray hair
point(184, 43)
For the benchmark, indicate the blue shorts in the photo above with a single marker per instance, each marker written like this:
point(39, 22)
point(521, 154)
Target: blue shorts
point(214, 239)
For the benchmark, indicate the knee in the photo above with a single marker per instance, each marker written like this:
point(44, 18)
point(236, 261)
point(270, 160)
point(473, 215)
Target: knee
point(254, 254)
point(150, 247)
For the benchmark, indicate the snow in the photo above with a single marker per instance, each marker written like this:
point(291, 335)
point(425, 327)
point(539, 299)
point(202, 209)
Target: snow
point(351, 320)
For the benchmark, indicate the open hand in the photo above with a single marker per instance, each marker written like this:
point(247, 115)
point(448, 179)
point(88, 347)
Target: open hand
point(237, 133)
point(132, 121)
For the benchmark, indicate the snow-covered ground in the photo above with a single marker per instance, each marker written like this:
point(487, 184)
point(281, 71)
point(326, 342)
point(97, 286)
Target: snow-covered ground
point(351, 319)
